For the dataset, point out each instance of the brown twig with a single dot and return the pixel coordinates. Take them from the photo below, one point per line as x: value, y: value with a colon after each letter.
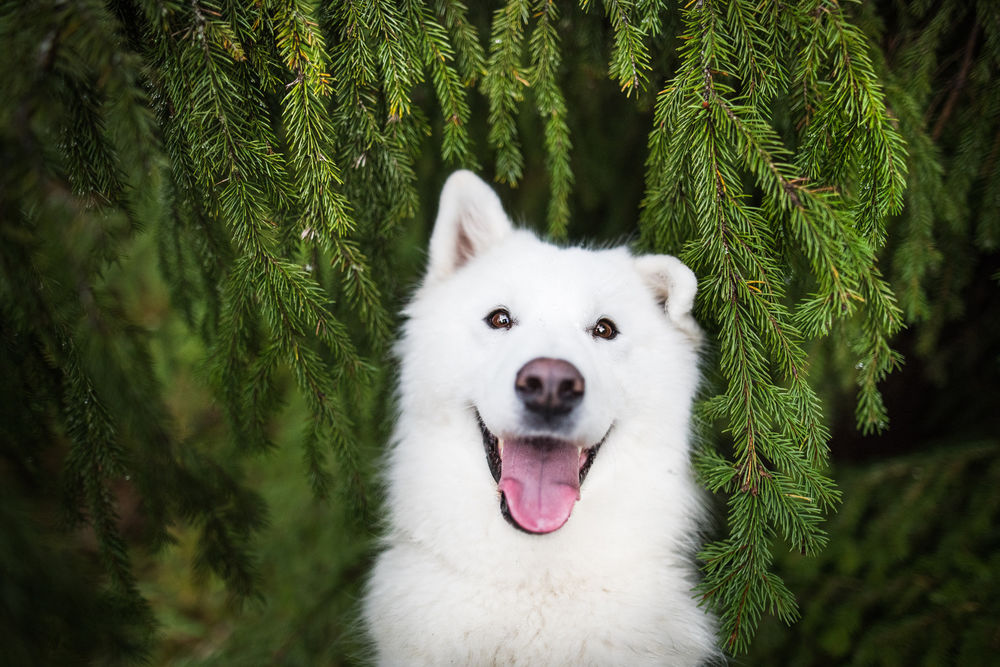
x: 963, y: 74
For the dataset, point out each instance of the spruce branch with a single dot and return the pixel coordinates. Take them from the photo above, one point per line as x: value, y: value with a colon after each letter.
x: 710, y: 138
x: 470, y: 57
x: 629, y: 57
x: 399, y: 74
x: 545, y: 61
x: 503, y: 86
x: 450, y: 90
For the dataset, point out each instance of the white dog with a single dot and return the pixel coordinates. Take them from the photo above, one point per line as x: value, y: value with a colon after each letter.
x: 541, y: 504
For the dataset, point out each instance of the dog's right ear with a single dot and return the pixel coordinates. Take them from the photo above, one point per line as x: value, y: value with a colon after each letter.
x: 470, y: 219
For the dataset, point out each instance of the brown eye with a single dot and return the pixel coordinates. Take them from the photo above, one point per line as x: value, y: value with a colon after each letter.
x: 605, y: 329
x: 500, y: 319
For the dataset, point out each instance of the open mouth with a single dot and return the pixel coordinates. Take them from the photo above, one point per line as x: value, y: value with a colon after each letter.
x: 539, y: 478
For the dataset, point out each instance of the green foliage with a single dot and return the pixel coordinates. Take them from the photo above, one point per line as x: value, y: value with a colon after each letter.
x: 910, y: 576
x: 310, y: 560
x: 756, y: 219
x: 275, y: 154
x: 941, y: 80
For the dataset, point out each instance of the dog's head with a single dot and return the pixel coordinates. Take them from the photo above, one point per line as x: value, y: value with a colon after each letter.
x: 545, y: 352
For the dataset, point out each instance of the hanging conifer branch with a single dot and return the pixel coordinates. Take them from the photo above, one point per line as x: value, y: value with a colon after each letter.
x: 469, y: 56
x: 545, y: 60
x: 274, y: 310
x: 325, y: 216
x: 324, y: 208
x: 438, y: 55
x: 629, y: 58
x: 399, y: 74
x: 503, y: 85
x: 709, y: 131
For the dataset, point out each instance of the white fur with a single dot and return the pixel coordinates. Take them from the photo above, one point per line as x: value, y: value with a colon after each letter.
x: 457, y: 584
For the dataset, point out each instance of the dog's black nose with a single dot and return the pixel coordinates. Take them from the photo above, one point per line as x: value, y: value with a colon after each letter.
x: 549, y: 387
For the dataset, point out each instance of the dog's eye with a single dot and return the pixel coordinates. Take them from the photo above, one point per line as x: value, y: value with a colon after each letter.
x: 500, y: 319
x: 605, y: 329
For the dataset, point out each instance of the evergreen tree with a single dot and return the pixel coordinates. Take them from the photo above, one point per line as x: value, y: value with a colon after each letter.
x: 278, y: 154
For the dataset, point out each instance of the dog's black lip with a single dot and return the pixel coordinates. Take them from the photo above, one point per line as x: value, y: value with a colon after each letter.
x: 492, y: 446
x: 491, y: 443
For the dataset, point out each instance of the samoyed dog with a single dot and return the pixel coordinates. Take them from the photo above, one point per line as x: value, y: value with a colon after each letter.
x: 541, y: 505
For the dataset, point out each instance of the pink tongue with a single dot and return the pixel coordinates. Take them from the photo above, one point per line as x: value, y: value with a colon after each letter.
x: 540, y: 482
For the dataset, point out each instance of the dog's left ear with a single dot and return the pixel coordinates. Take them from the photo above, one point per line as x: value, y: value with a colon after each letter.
x: 470, y: 219
x: 674, y: 286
